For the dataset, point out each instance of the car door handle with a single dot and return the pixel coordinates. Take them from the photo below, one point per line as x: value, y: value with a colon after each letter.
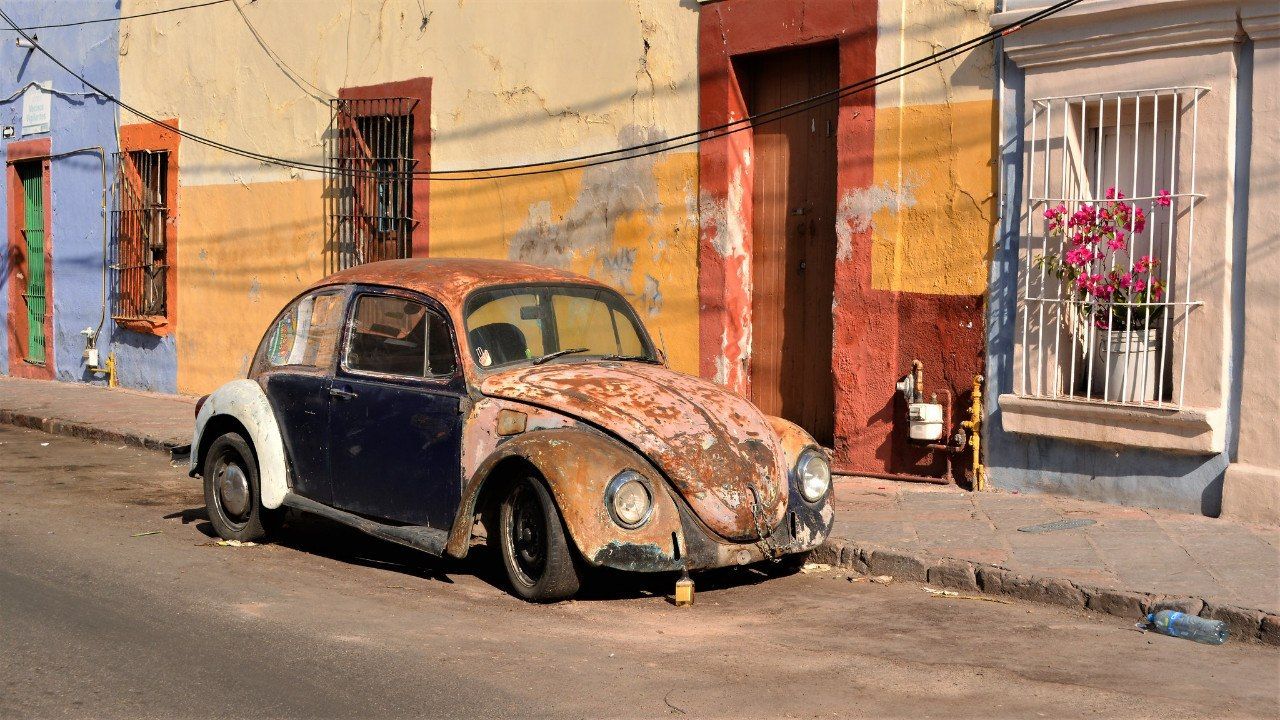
x: 342, y: 394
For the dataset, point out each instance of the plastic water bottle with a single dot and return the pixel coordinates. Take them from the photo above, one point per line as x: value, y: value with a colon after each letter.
x: 1188, y: 627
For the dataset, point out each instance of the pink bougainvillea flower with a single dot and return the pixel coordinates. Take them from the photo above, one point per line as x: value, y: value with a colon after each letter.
x: 1162, y: 198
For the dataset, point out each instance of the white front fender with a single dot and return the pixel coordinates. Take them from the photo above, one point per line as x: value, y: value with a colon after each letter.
x: 245, y: 401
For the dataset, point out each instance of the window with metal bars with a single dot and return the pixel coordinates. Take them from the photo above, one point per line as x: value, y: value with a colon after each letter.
x: 140, y: 228
x: 369, y: 149
x: 1107, y: 296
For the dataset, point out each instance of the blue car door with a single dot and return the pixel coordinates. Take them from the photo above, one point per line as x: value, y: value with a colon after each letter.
x: 294, y: 366
x: 395, y: 422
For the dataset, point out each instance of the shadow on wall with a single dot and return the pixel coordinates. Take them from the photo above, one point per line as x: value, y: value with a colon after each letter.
x: 1123, y: 476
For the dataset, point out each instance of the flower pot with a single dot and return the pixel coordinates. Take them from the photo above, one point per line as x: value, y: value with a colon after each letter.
x: 1126, y: 365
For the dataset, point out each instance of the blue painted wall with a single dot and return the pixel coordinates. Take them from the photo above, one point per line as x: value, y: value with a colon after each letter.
x: 1129, y: 476
x: 78, y: 121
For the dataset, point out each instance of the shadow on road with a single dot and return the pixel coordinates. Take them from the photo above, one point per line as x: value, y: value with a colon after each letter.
x: 335, y: 541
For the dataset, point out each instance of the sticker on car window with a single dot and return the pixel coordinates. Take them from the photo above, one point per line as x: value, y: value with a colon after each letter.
x: 483, y: 357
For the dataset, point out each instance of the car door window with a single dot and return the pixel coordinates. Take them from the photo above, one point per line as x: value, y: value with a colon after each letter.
x: 394, y: 336
x: 306, y: 334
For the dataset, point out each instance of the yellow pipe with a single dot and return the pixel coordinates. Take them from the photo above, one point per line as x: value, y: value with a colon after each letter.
x: 109, y: 369
x: 974, y: 426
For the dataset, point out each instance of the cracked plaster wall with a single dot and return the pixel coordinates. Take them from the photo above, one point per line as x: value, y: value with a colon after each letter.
x: 933, y: 195
x: 511, y: 83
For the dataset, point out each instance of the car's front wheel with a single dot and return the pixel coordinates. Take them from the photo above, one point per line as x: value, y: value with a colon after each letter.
x: 534, y: 545
x: 232, y: 494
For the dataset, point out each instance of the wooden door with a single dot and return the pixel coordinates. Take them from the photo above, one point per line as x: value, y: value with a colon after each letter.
x: 794, y: 245
x: 30, y: 264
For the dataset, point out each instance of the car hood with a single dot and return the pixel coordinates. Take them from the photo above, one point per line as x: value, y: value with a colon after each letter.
x: 716, y: 448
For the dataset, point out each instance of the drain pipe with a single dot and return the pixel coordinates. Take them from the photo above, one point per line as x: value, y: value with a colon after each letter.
x: 974, y: 426
x: 92, y: 359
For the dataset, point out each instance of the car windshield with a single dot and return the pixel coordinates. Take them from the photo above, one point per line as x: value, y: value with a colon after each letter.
x: 544, y: 322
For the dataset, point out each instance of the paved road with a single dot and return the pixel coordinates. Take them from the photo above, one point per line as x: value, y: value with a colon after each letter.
x: 95, y: 622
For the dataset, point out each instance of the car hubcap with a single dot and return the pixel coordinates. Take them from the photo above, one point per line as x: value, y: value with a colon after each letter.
x: 528, y: 536
x: 233, y: 490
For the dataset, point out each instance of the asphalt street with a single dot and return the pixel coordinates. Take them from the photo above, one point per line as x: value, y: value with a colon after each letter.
x: 114, y: 602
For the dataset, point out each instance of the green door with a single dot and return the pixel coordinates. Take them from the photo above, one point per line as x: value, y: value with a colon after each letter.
x: 33, y: 231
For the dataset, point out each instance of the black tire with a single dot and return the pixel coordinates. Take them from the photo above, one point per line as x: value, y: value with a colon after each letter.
x: 232, y: 495
x: 540, y: 565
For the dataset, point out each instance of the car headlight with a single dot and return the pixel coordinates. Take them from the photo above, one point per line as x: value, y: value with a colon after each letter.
x: 628, y: 499
x: 813, y: 475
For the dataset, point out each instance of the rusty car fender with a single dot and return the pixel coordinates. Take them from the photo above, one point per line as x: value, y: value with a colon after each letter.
x: 577, y: 464
x: 793, y: 439
x: 245, y: 401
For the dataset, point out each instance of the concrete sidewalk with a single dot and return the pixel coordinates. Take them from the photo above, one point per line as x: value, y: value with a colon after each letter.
x: 1129, y: 561
x: 1126, y: 563
x: 150, y: 420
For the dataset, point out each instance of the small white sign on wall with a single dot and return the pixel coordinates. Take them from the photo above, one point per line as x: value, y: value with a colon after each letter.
x: 36, y: 108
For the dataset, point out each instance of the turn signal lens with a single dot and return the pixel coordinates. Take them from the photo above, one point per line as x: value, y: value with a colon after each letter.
x: 814, y: 475
x: 628, y: 499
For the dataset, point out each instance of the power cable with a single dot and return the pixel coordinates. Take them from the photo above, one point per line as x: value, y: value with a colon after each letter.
x: 628, y: 153
x: 124, y: 17
x: 294, y: 76
x: 699, y: 136
x: 807, y: 103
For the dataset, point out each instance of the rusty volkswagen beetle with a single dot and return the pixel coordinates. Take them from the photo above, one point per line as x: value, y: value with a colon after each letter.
x: 434, y: 403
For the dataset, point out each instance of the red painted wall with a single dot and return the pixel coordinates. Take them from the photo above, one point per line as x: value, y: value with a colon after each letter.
x: 877, y: 332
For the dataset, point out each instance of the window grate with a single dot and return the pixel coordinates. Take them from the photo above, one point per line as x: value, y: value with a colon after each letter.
x: 139, y: 221
x: 1106, y: 277
x: 369, y: 200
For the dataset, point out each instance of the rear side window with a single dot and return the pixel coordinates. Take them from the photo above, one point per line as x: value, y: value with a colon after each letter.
x: 394, y: 336
x: 306, y: 334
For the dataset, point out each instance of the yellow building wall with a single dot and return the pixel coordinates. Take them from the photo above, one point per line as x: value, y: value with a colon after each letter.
x: 933, y: 198
x: 513, y: 83
x: 931, y: 206
x: 245, y: 251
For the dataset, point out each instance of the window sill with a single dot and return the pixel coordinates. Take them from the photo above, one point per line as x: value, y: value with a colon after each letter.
x: 1192, y: 431
x: 157, y: 325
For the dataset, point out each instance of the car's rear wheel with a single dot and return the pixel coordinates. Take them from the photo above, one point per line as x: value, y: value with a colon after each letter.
x: 534, y: 546
x: 232, y: 494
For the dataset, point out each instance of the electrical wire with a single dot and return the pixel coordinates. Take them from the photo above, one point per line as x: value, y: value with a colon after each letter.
x: 124, y: 17
x: 751, y: 121
x: 807, y: 103
x: 601, y: 158
x: 294, y: 76
x: 52, y: 90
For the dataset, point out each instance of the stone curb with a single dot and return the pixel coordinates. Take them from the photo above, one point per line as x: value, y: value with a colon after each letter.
x: 964, y: 575
x: 67, y: 428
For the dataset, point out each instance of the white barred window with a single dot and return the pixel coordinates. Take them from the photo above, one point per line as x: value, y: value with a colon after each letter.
x: 1107, y: 298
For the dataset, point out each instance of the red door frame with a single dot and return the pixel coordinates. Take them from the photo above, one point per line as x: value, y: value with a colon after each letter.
x: 419, y: 89
x: 732, y: 28
x: 18, y: 151
x: 147, y: 136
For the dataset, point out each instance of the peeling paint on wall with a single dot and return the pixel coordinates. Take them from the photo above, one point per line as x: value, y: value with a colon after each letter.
x: 608, y: 194
x: 858, y: 208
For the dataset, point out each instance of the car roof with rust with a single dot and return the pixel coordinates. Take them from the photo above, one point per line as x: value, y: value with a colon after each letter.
x: 450, y: 280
